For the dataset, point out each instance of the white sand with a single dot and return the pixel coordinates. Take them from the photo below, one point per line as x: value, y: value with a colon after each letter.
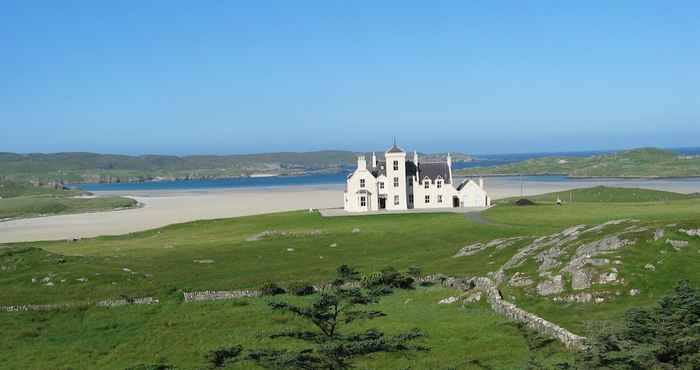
x: 165, y: 207
x: 170, y: 208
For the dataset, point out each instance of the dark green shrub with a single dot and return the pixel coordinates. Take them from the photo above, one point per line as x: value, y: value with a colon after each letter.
x: 270, y: 288
x: 301, y: 288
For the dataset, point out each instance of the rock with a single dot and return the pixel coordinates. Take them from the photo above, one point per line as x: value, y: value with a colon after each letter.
x: 473, y: 297
x: 650, y: 267
x: 634, y: 292
x: 203, y: 261
x: 599, y: 300
x: 333, y: 245
x: 581, y: 279
x: 34, y: 280
x: 607, y: 277
x: 290, y: 249
x: 617, y: 262
x: 554, y: 285
x: 50, y: 283
x: 692, y: 232
x: 82, y: 280
x: 598, y: 261
x: 677, y: 244
x: 549, y: 258
x: 449, y: 300
x: 658, y: 234
x: 577, y: 298
x: 520, y: 280
x: 126, y: 269
x: 355, y: 230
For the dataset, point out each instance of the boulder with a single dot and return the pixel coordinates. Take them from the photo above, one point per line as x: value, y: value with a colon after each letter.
x: 520, y: 280
x: 650, y: 267
x: 581, y: 279
x: 634, y: 292
x: 551, y: 286
x: 449, y: 300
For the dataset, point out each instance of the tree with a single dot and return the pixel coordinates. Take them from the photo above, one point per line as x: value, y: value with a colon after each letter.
x: 331, y: 344
x: 666, y: 336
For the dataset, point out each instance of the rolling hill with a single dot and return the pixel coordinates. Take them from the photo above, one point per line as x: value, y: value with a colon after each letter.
x: 639, y: 163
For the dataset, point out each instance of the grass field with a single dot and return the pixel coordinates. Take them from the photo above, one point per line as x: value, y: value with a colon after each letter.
x: 167, y: 261
x: 20, y: 200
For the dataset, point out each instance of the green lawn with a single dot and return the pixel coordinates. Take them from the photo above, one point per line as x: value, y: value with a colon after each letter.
x: 167, y: 261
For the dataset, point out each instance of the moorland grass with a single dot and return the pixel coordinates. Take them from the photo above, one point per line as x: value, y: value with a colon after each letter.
x: 162, y: 263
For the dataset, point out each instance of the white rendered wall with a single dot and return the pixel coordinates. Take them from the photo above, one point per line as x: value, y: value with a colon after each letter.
x: 399, y: 191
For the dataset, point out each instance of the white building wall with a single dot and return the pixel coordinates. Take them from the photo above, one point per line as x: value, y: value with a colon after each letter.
x: 353, y: 194
x: 400, y: 190
x: 447, y: 191
x: 474, y: 195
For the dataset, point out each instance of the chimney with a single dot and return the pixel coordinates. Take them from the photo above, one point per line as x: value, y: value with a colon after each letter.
x: 415, y: 157
x: 361, y: 163
x: 481, y: 182
x: 374, y: 160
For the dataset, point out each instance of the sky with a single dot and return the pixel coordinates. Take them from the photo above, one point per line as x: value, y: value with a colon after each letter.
x: 227, y: 77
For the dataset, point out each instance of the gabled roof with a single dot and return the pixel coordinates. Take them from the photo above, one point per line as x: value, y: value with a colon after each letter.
x: 433, y: 171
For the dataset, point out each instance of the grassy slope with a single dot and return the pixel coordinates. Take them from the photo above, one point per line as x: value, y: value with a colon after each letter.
x: 23, y: 200
x: 161, y: 264
x: 645, y: 162
x: 603, y: 194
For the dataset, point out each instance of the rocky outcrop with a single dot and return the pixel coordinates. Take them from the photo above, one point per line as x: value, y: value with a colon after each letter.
x: 520, y: 280
x: 478, y: 247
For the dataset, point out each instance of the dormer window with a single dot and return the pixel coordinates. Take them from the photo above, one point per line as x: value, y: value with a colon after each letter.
x: 396, y: 165
x: 362, y: 183
x: 439, y: 184
x: 426, y: 183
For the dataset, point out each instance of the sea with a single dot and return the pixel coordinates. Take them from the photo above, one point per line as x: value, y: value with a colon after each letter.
x: 677, y: 184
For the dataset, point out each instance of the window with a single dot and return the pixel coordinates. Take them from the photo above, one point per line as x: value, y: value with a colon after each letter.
x: 396, y: 165
x: 363, y: 201
x: 439, y: 184
x: 439, y: 198
x: 396, y: 182
x: 410, y: 198
x: 381, y: 185
x: 427, y: 199
x: 396, y: 200
x: 426, y: 184
x: 362, y: 183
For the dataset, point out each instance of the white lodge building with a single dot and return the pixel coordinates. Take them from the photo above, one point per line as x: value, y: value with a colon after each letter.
x: 397, y: 184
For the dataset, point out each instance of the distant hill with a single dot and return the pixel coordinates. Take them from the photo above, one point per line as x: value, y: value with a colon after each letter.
x: 109, y: 168
x: 644, y: 162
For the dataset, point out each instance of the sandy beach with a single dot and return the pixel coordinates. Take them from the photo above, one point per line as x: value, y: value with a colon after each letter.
x: 165, y: 207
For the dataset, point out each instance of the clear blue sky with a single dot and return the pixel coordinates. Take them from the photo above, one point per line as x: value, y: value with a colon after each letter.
x: 184, y: 77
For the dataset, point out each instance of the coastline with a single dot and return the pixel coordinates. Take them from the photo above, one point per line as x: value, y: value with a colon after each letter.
x: 164, y: 207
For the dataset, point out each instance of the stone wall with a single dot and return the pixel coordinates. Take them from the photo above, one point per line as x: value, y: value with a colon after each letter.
x: 512, y: 312
x: 60, y: 306
x: 211, y: 295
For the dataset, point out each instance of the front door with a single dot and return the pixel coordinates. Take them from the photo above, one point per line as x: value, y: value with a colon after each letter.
x: 455, y: 202
x: 382, y: 203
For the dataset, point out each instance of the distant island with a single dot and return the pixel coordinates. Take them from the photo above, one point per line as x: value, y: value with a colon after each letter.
x: 58, y: 169
x: 635, y: 163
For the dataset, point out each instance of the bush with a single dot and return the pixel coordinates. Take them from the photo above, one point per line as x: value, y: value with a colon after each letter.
x: 301, y: 288
x: 270, y: 288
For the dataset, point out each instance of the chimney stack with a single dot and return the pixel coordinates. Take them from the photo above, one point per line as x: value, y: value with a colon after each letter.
x: 361, y: 163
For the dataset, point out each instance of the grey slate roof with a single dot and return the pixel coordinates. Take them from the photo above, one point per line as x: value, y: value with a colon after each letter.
x: 395, y: 149
x: 380, y: 170
x: 433, y: 170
